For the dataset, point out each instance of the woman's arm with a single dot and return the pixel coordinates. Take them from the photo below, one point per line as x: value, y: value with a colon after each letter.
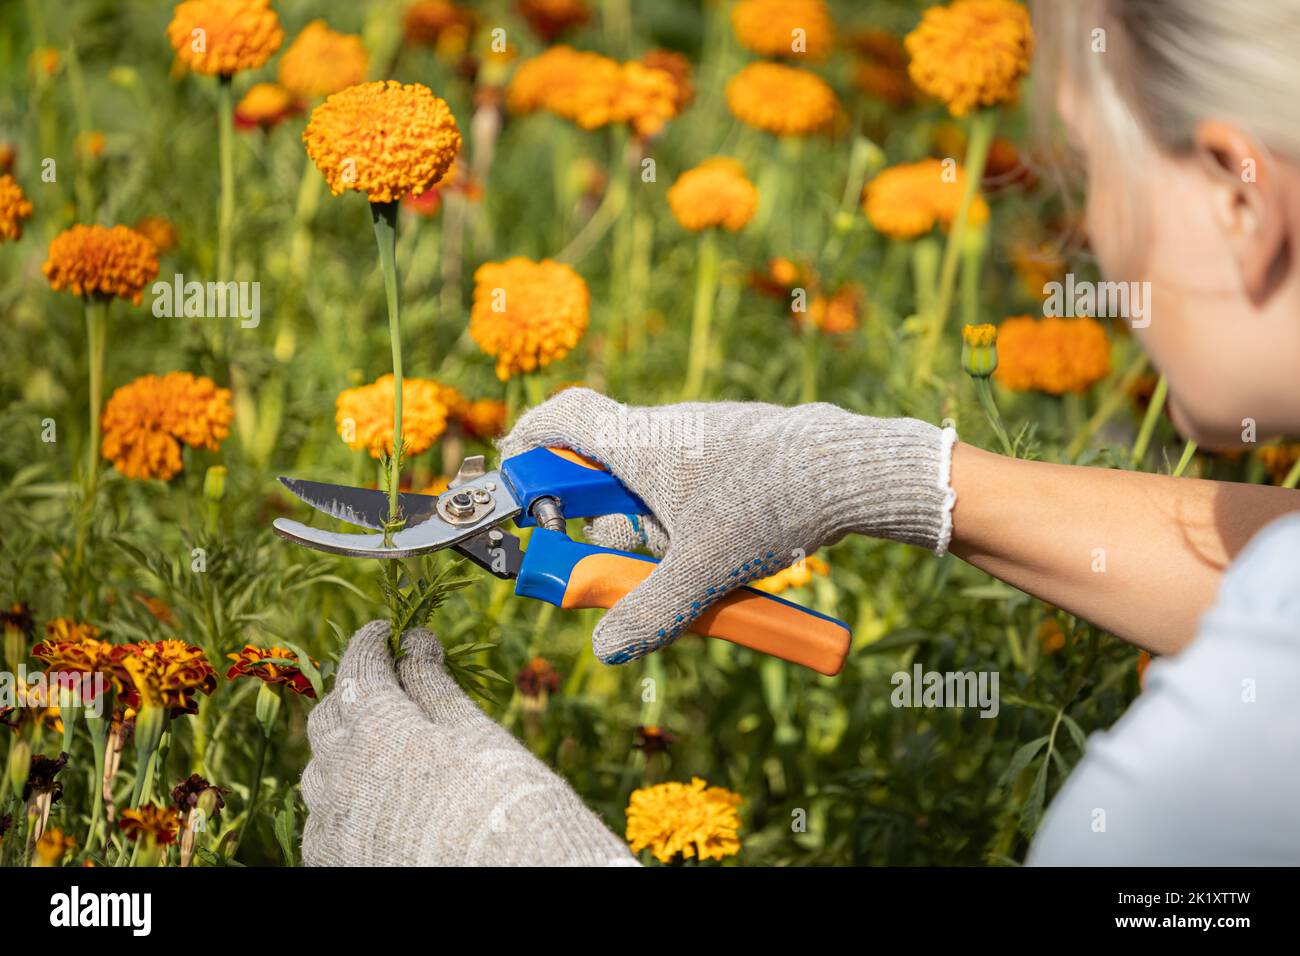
x: 1137, y: 554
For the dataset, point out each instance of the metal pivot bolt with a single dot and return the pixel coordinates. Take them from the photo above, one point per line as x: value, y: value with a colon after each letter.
x: 546, y: 512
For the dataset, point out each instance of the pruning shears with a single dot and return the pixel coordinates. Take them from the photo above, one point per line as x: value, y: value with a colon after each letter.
x: 541, y: 489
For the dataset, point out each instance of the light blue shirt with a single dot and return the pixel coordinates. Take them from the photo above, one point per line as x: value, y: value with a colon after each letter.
x: 1204, y: 768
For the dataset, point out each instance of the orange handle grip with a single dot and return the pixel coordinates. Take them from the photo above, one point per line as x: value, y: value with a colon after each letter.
x: 746, y: 617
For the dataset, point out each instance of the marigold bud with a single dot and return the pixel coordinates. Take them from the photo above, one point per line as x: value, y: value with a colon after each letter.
x: 979, y: 350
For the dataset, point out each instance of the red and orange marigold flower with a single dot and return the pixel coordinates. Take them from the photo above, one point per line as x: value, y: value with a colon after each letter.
x: 271, y: 665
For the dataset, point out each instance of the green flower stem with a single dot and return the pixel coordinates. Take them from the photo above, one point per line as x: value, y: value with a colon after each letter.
x: 1188, y: 451
x: 1293, y: 476
x: 925, y: 273
x: 98, y: 727
x: 611, y: 204
x: 226, y: 160
x: 385, y: 221
x: 984, y: 391
x: 1112, y: 403
x: 810, y: 360
x: 977, y: 152
x: 254, y: 788
x: 96, y: 337
x: 533, y: 390
x: 1144, y: 434
x: 706, y: 289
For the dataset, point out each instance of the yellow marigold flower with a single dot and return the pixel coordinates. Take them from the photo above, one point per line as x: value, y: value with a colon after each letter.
x: 1052, y: 355
x: 715, y: 193
x: 527, y: 314
x: 979, y: 353
x: 780, y: 99
x: 768, y: 27
x: 159, y: 824
x: 145, y: 421
x: 383, y: 139
x: 432, y: 22
x: 14, y: 208
x: 222, y: 37
x: 907, y: 201
x: 695, y: 820
x: 159, y: 230
x: 971, y: 53
x: 797, y: 575
x: 550, y: 18
x: 52, y: 847
x: 364, y: 415
x: 677, y: 66
x: 97, y: 260
x: 322, y: 61
x: 66, y: 629
x: 265, y: 105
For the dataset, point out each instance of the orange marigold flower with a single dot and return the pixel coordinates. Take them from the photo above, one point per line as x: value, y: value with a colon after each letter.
x: 907, y: 201
x: 715, y: 193
x: 157, y: 608
x: 159, y: 230
x: 677, y: 66
x: 889, y: 84
x: 780, y: 99
x: 159, y: 824
x: 98, y: 260
x: 89, y: 143
x: 321, y: 61
x: 165, y: 673
x: 364, y: 415
x: 433, y: 22
x: 146, y: 420
x: 1037, y: 265
x: 835, y: 314
x: 550, y: 18
x: 768, y: 27
x: 222, y: 37
x: 383, y: 139
x: 8, y: 155
x: 695, y: 820
x: 44, y: 60
x: 1279, y: 459
x: 1052, y: 355
x: 971, y: 53
x: 537, y: 678
x: 796, y: 575
x: 483, y: 418
x: 271, y: 665
x: 265, y: 105
x: 1050, y: 636
x: 879, y: 46
x: 527, y: 314
x: 14, y: 208
x: 593, y: 90
x: 52, y: 847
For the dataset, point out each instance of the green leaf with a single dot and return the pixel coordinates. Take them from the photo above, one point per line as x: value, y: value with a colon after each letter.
x: 1021, y: 759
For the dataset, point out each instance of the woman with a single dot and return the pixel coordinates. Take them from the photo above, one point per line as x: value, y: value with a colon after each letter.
x: 1186, y: 113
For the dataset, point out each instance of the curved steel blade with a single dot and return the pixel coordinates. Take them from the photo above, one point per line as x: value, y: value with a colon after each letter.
x: 367, y: 507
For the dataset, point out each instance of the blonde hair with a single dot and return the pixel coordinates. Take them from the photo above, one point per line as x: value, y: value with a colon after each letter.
x: 1146, y: 72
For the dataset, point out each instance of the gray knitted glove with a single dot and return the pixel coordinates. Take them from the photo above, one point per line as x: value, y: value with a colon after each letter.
x: 421, y: 777
x: 739, y: 491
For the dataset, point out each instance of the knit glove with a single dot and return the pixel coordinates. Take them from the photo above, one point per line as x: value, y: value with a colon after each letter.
x: 738, y: 491
x: 415, y: 774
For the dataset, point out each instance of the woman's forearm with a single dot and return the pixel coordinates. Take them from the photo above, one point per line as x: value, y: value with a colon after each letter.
x: 1137, y: 554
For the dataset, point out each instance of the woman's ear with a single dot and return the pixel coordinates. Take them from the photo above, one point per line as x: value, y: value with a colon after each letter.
x: 1251, y: 204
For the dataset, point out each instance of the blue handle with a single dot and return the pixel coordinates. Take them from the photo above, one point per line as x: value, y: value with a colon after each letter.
x: 583, y: 492
x: 549, y: 562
